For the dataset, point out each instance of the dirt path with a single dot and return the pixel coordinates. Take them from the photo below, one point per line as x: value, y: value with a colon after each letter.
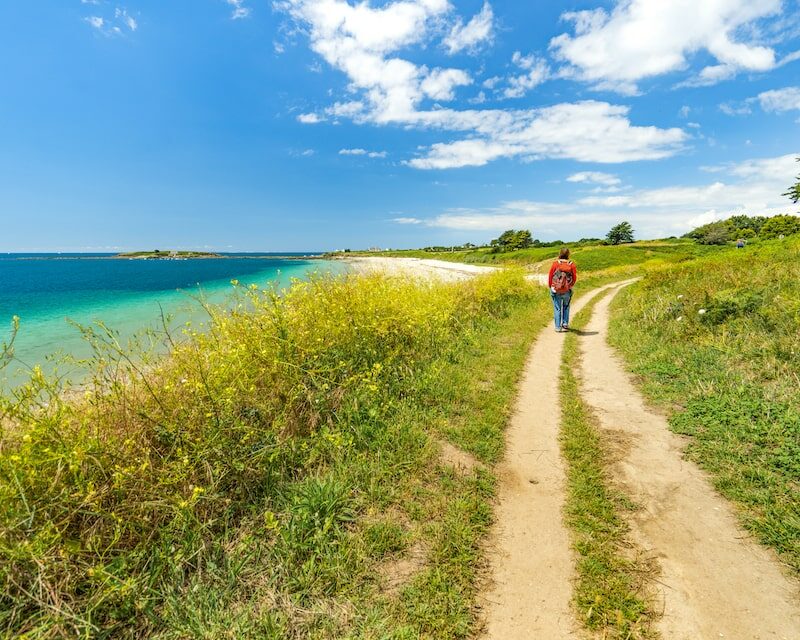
x: 716, y: 582
x: 530, y: 555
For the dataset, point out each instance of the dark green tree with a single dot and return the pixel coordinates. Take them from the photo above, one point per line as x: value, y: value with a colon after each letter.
x: 777, y: 226
x: 621, y: 233
x: 512, y: 240
x: 794, y: 191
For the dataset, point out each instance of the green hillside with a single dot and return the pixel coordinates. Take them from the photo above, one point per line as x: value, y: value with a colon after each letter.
x: 716, y: 343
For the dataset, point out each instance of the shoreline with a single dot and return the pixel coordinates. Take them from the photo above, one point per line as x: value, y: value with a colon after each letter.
x: 427, y: 268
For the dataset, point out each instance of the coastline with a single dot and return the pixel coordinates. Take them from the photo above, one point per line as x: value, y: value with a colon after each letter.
x: 427, y: 268
x: 417, y: 267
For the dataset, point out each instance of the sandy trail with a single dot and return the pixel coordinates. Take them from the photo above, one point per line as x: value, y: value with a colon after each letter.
x: 716, y: 581
x: 530, y: 549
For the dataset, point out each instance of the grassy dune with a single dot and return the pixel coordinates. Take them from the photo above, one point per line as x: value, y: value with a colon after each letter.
x: 716, y: 343
x: 278, y: 476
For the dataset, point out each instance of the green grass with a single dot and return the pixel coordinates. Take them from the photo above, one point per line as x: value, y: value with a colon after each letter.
x: 611, y: 588
x: 264, y: 480
x: 715, y: 343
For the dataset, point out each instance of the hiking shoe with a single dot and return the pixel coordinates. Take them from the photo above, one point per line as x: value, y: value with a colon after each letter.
x: 565, y: 327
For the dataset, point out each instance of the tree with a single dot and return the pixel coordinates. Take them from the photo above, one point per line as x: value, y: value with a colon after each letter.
x: 715, y: 234
x: 512, y: 240
x: 777, y: 226
x: 620, y: 234
x: 794, y: 191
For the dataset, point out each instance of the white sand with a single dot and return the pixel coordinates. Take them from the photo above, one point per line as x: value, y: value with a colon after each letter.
x: 424, y: 268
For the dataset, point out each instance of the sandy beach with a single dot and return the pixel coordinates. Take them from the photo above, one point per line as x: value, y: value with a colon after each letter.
x: 431, y: 269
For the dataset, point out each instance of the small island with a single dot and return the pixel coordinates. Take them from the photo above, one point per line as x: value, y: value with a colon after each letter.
x: 157, y: 254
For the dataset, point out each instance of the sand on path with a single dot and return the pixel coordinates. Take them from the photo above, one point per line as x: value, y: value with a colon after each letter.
x: 529, y: 549
x: 716, y: 581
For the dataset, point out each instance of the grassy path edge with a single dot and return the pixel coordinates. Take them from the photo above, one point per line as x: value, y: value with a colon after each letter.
x: 611, y: 588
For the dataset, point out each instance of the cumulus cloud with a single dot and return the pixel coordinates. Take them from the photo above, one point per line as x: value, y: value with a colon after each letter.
x: 477, y: 31
x: 310, y: 118
x: 641, y: 39
x: 787, y: 99
x: 588, y: 131
x: 775, y: 100
x: 536, y: 71
x: 363, y: 42
x: 753, y: 186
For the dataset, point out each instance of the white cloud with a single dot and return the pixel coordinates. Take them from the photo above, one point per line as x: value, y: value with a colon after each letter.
x: 96, y: 21
x: 115, y: 24
x: 752, y: 186
x: 362, y: 152
x: 645, y: 38
x: 537, y: 71
x: 588, y: 131
x: 239, y: 9
x: 123, y: 16
x: 477, y: 31
x: 595, y: 177
x: 362, y: 41
x: 735, y: 108
x: 407, y: 220
x: 775, y: 100
x: 440, y: 83
x: 309, y: 118
x: 787, y: 99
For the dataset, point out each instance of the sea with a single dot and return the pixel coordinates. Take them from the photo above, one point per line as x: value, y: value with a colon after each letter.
x: 54, y: 294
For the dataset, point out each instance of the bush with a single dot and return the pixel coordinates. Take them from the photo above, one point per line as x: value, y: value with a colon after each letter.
x: 114, y: 494
x: 777, y: 226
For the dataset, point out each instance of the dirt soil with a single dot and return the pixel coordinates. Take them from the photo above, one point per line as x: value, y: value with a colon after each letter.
x: 716, y: 581
x: 530, y: 556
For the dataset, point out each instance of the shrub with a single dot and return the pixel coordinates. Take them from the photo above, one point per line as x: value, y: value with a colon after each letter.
x: 113, y: 494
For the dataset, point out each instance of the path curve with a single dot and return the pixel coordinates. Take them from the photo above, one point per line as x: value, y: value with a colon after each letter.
x: 716, y: 581
x: 531, y: 562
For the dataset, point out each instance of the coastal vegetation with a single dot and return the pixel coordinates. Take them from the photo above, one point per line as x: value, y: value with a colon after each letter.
x: 283, y: 474
x: 157, y: 254
x: 715, y: 343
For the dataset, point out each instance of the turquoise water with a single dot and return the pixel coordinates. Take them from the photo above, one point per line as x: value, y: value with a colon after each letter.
x: 47, y: 292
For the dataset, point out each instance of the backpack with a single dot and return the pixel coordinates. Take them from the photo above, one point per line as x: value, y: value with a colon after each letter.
x: 562, y: 280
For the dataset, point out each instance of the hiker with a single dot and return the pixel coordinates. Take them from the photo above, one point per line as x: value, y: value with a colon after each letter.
x: 740, y: 243
x: 562, y: 278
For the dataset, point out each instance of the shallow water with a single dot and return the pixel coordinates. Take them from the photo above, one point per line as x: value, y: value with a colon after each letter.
x: 49, y: 293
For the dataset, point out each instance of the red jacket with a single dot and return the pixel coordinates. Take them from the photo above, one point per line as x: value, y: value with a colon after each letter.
x: 566, y: 265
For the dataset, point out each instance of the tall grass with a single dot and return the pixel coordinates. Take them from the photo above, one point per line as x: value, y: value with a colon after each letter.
x: 716, y: 342
x: 240, y: 487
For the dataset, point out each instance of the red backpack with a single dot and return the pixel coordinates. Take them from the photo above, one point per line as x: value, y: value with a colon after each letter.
x: 563, y: 279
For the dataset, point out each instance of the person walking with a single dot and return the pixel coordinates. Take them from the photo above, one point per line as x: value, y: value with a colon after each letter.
x: 563, y: 276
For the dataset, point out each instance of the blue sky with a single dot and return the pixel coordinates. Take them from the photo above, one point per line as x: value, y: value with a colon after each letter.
x: 247, y: 125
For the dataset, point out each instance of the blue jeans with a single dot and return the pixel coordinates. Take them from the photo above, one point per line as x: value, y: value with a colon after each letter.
x: 561, y: 308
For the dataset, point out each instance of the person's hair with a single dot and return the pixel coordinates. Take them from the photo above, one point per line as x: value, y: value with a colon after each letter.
x: 563, y: 254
